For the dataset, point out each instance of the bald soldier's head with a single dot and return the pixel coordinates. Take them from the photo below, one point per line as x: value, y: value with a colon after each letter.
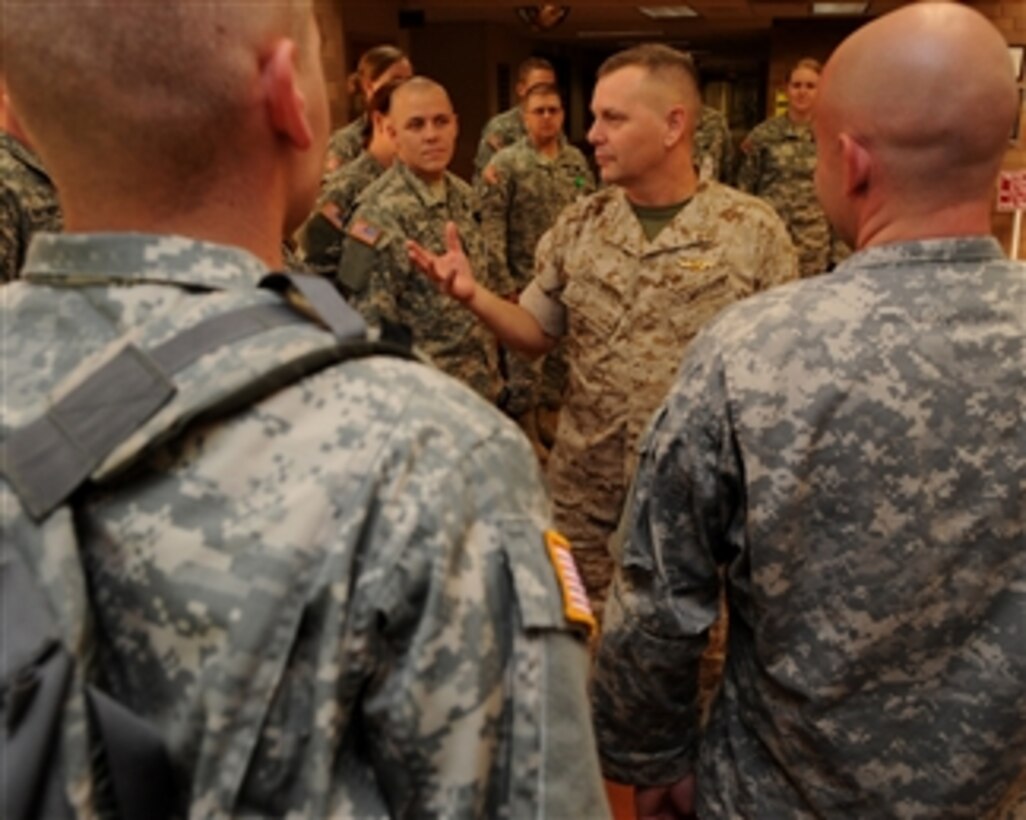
x: 169, y: 104
x: 912, y: 121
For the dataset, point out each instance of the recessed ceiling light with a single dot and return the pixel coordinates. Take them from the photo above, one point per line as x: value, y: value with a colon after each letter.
x: 667, y: 12
x: 620, y: 35
x: 839, y: 8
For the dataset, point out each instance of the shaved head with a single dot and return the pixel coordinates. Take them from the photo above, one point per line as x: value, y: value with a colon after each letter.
x: 424, y: 127
x: 926, y: 93
x: 416, y: 86
x: 159, y: 84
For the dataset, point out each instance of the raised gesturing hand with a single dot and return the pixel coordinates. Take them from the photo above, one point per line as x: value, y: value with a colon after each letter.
x: 450, y: 270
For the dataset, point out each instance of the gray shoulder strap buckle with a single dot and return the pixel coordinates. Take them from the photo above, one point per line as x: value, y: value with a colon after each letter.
x: 323, y: 300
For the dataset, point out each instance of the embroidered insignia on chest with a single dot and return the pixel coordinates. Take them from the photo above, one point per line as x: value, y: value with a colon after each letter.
x: 575, y: 599
x: 365, y: 232
x: 696, y: 264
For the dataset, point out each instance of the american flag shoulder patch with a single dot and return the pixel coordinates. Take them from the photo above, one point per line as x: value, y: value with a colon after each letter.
x: 576, y: 607
x: 333, y: 213
x: 364, y: 231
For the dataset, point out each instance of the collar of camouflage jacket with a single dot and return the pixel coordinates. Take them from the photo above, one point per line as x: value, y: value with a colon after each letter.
x: 21, y: 152
x: 80, y: 259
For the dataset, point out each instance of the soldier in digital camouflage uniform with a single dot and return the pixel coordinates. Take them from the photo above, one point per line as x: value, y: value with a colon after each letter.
x: 322, y: 236
x: 414, y: 200
x: 850, y: 451
x: 522, y: 192
x: 714, y: 150
x: 28, y: 200
x: 508, y: 126
x: 377, y: 66
x: 628, y: 286
x: 337, y: 602
x: 778, y: 160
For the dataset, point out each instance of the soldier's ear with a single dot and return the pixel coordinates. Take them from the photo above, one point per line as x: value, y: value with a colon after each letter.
x: 283, y: 97
x: 856, y: 165
x: 676, y: 125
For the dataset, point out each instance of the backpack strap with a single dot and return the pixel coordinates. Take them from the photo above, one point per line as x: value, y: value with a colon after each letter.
x: 47, y: 459
x: 320, y: 297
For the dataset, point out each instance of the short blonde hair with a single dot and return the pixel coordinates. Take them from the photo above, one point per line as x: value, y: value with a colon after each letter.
x: 805, y: 62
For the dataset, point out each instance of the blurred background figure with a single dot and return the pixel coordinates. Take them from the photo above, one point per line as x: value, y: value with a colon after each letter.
x: 376, y: 67
x: 714, y: 148
x: 522, y: 191
x: 507, y: 127
x: 778, y: 161
x: 414, y: 200
x: 321, y: 237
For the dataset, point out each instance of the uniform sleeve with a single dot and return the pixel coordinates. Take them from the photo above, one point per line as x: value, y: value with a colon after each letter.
x: 726, y: 153
x: 543, y: 297
x: 11, y: 250
x: 749, y: 169
x: 365, y: 272
x: 321, y: 236
x: 487, y: 146
x: 479, y: 707
x: 664, y: 597
x: 494, y: 195
x: 777, y: 258
x: 344, y: 146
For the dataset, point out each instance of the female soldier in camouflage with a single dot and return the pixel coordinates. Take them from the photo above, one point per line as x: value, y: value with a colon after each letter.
x: 778, y: 163
x: 376, y: 67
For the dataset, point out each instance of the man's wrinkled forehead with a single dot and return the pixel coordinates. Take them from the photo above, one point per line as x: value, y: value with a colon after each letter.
x: 423, y: 102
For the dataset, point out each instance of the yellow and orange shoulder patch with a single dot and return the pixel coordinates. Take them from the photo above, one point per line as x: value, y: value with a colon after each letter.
x: 576, y: 607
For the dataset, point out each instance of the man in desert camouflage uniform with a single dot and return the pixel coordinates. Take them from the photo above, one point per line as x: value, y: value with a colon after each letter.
x: 628, y: 276
x: 850, y: 451
x: 714, y: 149
x: 337, y: 602
x: 28, y: 200
x: 778, y: 163
x: 508, y: 126
x: 414, y: 200
x: 522, y: 192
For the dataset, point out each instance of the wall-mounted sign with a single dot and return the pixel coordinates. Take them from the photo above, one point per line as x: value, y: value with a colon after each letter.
x: 1011, y: 191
